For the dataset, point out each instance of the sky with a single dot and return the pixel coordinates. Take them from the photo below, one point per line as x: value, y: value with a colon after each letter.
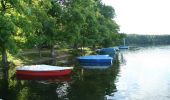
x: 142, y: 16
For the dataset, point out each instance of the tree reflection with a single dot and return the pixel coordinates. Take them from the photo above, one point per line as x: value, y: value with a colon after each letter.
x: 4, y: 82
x: 95, y: 84
x: 4, y: 86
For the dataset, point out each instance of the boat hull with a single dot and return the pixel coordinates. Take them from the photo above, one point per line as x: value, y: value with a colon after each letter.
x: 123, y: 47
x: 95, y: 60
x: 43, y: 70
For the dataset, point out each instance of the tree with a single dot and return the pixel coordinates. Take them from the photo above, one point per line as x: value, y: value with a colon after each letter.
x: 13, y: 24
x: 90, y: 23
x: 108, y: 28
x: 49, y: 18
x: 7, y: 31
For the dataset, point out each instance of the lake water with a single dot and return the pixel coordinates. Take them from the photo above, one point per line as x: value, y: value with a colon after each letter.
x: 144, y: 75
x: 137, y: 74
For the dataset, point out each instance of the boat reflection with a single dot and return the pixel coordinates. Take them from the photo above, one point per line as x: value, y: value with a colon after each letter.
x: 122, y: 59
x: 95, y: 67
x: 53, y: 78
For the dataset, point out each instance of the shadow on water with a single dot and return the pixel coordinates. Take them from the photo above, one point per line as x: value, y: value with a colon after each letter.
x: 92, y: 84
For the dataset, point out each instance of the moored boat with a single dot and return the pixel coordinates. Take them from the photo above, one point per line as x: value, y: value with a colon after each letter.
x: 123, y: 47
x: 43, y: 70
x: 111, y: 51
x: 95, y: 60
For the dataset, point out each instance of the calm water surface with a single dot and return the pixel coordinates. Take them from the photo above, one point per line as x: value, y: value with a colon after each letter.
x: 144, y: 75
x: 138, y: 74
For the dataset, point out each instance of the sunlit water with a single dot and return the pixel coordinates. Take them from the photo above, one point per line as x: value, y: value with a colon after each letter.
x: 144, y: 75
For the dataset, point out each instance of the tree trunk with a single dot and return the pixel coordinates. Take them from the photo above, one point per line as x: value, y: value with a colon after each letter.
x: 5, y: 63
x: 52, y: 51
x: 76, y: 50
x: 94, y: 47
x: 82, y: 52
x: 4, y: 57
x: 39, y: 50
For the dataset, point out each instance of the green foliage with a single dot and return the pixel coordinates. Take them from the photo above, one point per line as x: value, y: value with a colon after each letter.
x: 74, y: 23
x: 107, y: 11
x: 7, y: 31
x: 90, y: 23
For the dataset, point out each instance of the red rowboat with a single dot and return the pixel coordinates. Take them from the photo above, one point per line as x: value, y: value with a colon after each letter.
x: 43, y: 70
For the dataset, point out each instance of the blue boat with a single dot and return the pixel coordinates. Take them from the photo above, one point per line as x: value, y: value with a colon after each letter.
x: 111, y: 51
x: 95, y: 60
x: 124, y: 46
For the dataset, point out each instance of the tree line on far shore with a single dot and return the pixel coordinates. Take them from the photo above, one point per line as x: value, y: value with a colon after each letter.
x: 134, y: 39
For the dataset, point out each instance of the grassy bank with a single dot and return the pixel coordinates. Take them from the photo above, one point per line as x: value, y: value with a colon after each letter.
x: 31, y: 56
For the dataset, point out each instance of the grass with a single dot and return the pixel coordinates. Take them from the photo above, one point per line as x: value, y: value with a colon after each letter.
x: 31, y: 56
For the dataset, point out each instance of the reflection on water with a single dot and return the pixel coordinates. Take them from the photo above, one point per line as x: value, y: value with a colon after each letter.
x: 4, y: 92
x: 122, y: 59
x: 62, y: 91
x: 95, y: 67
x: 94, y: 85
x: 146, y: 75
x: 44, y: 78
x: 140, y: 74
x: 83, y: 84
